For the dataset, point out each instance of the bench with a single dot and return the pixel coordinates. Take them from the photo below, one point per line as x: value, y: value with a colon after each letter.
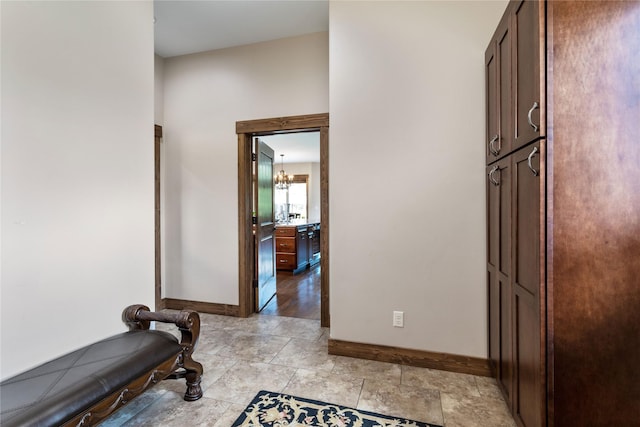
x: 84, y: 387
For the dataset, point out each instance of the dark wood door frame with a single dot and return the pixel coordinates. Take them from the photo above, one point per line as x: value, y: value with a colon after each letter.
x: 245, y: 131
x: 157, y: 209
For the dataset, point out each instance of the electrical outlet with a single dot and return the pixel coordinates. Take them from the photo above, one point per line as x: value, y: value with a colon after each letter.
x: 398, y: 319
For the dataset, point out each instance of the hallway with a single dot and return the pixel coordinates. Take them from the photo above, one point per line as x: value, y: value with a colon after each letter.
x: 296, y: 295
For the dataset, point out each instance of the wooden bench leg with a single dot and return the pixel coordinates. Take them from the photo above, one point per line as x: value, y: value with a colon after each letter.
x: 193, y: 376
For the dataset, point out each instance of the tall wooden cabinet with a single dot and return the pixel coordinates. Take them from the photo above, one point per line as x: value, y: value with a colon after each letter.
x: 515, y: 140
x: 563, y: 211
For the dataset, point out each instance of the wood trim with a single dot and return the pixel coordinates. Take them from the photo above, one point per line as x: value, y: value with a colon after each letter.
x: 157, y: 178
x: 300, y: 179
x: 201, y: 307
x: 547, y: 235
x: 325, y: 319
x: 246, y: 130
x: 410, y: 357
x: 246, y: 267
x: 278, y: 124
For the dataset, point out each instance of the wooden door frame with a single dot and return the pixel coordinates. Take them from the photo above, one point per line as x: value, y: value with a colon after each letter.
x: 245, y: 131
x: 157, y: 215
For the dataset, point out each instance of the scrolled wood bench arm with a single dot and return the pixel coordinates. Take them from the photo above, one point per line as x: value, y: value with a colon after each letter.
x: 139, y: 317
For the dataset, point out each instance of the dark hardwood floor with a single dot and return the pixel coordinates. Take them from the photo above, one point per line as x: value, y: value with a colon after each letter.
x: 296, y: 295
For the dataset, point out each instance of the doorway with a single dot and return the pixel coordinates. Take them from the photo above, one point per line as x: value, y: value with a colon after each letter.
x: 246, y: 131
x: 296, y: 211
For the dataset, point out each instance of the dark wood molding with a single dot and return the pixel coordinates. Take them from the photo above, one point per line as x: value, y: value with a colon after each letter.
x: 201, y: 307
x: 410, y: 357
x: 157, y: 178
x: 278, y: 124
x: 246, y: 130
x: 325, y: 320
x: 246, y: 266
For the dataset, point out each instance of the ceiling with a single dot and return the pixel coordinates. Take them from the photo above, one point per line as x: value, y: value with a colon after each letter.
x: 187, y: 26
x: 303, y: 147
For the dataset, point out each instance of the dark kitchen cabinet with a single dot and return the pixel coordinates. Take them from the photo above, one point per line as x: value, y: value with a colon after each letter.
x: 563, y: 196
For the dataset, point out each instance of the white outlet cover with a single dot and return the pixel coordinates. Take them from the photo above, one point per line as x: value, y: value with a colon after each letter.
x: 398, y: 319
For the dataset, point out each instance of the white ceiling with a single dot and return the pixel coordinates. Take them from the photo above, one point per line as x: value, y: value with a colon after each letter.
x: 188, y: 26
x: 301, y: 147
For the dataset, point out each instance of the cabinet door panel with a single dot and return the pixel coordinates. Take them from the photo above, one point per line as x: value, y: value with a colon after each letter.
x: 505, y: 140
x: 527, y: 396
x: 493, y: 112
x: 499, y: 216
x: 526, y: 209
x: 526, y: 71
x: 504, y: 247
x: 505, y: 362
x: 498, y: 268
x: 302, y: 243
x: 498, y: 87
x: 527, y: 332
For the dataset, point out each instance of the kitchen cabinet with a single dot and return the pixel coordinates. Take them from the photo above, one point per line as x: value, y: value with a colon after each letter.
x: 513, y: 86
x: 314, y: 244
x: 563, y: 196
x: 302, y: 247
x: 513, y: 278
x: 297, y: 246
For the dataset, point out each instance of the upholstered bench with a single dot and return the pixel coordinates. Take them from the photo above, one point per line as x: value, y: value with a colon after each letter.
x: 82, y: 388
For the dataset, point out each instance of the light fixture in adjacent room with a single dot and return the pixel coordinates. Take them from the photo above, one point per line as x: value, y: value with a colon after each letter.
x: 282, y: 180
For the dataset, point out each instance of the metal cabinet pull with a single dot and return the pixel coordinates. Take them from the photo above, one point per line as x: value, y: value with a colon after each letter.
x: 535, y: 106
x: 491, y: 172
x: 493, y: 150
x: 535, y: 150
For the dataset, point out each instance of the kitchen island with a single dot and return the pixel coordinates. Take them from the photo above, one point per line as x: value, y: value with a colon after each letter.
x: 297, y: 245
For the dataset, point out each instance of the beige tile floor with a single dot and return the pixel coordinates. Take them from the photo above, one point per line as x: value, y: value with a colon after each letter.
x: 281, y: 354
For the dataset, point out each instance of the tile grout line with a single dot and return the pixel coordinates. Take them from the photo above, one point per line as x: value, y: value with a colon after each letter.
x: 360, y: 393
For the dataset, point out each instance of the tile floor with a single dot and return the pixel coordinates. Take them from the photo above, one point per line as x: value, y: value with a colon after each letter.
x: 283, y: 354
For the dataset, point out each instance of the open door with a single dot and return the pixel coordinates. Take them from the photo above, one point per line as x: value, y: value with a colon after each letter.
x: 265, y: 226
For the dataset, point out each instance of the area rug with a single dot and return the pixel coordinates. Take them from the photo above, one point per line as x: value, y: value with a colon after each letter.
x: 268, y: 409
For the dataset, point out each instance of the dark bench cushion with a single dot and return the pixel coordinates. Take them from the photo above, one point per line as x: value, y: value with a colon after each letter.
x: 54, y: 392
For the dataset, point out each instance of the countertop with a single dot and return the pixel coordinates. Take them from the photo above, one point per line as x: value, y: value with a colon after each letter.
x: 296, y: 223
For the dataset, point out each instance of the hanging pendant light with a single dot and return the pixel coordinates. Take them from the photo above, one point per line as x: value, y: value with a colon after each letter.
x: 282, y: 180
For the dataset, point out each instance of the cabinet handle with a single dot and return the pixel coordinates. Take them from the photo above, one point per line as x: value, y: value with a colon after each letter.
x: 491, y: 172
x: 534, y: 107
x: 535, y: 150
x: 493, y: 150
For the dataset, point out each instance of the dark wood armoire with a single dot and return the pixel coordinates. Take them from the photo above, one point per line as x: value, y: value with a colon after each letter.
x: 563, y: 211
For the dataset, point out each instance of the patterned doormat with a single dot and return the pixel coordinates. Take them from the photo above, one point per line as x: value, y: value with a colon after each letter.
x: 268, y: 409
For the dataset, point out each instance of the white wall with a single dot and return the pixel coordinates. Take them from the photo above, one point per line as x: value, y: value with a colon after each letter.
x: 204, y: 95
x: 407, y: 118
x: 77, y: 174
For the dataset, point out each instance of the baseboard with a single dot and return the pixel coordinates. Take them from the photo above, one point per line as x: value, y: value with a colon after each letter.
x: 404, y: 356
x: 200, y: 307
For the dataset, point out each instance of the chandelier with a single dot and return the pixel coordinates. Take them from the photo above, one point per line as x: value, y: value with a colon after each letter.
x: 282, y: 180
